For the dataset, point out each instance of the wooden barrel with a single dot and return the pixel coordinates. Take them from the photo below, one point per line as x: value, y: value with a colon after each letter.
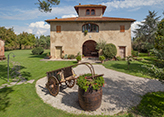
x: 90, y: 100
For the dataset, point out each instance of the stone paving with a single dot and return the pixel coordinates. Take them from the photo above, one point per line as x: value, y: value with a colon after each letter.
x: 16, y: 83
x: 121, y: 92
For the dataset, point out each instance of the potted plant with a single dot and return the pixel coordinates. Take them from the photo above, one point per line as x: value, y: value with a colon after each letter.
x: 90, y: 92
x: 48, y: 56
x: 102, y: 58
x: 85, y: 32
x: 78, y: 58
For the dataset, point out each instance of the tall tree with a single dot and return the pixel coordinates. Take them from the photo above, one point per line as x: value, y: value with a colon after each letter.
x: 46, y: 5
x: 25, y: 39
x: 43, y: 41
x: 10, y: 38
x: 146, y: 31
x: 159, y: 41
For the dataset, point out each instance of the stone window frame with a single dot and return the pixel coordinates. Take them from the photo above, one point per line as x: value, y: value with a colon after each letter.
x: 90, y: 29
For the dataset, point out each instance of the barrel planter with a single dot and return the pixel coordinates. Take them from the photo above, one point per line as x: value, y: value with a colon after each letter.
x: 90, y: 100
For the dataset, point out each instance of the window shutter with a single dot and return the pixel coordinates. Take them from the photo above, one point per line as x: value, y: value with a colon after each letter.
x: 58, y: 29
x: 122, y: 28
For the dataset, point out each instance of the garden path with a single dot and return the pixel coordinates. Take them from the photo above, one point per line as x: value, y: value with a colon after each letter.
x: 121, y: 92
x: 16, y: 83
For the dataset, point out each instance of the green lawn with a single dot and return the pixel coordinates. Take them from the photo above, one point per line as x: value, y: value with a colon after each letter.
x: 135, y: 68
x: 31, y: 66
x: 22, y: 100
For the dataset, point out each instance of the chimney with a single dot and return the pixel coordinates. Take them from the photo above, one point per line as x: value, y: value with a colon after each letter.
x: 56, y: 18
x: 79, y: 3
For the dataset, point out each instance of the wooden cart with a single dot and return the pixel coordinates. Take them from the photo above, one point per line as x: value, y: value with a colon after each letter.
x: 67, y: 75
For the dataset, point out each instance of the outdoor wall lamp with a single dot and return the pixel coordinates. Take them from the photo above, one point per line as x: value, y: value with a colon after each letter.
x: 8, y: 64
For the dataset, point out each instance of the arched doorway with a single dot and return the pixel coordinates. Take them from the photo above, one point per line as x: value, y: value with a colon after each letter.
x: 89, y: 49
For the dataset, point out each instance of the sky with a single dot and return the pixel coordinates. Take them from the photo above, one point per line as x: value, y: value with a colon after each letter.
x: 24, y: 15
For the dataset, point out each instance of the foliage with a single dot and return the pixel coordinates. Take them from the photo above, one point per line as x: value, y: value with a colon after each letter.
x: 159, y: 63
x: 43, y: 41
x: 94, y: 84
x: 10, y: 38
x: 46, y: 5
x: 158, y: 53
x: 145, y: 34
x: 78, y: 58
x: 25, y: 39
x: 101, y: 44
x: 71, y: 56
x: 37, y: 51
x: 101, y: 58
x: 129, y: 59
x: 159, y: 39
x: 119, y: 58
x: 134, y: 53
x: 110, y: 51
x: 151, y: 105
x: 85, y: 32
x: 155, y: 71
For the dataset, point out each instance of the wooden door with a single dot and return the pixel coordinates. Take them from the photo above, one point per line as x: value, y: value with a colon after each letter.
x: 58, y: 52
x: 89, y: 49
x: 122, y: 52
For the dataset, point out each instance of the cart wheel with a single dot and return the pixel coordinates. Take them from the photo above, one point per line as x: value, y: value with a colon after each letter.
x: 53, y: 86
x: 70, y: 83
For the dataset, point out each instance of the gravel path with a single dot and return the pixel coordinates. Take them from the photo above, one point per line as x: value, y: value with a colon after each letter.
x: 121, y: 91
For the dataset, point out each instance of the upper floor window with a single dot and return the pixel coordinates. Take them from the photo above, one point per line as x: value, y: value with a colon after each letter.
x: 90, y: 27
x: 92, y: 12
x: 122, y: 28
x: 87, y: 12
x: 58, y: 29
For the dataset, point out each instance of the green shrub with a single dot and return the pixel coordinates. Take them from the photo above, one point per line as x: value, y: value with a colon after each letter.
x: 134, y: 53
x: 159, y: 63
x: 155, y: 71
x: 119, y: 58
x: 151, y: 105
x: 78, y: 58
x: 110, y: 50
x: 101, y: 58
x: 71, y: 56
x: 37, y: 51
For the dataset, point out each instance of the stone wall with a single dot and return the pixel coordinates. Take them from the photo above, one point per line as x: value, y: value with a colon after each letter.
x: 71, y: 38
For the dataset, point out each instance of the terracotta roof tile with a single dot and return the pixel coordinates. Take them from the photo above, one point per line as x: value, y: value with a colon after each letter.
x: 90, y: 6
x: 98, y: 19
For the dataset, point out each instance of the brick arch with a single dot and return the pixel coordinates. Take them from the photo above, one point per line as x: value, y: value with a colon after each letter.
x: 89, y: 49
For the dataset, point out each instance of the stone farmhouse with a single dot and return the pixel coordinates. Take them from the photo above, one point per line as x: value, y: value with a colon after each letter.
x: 2, y: 44
x: 81, y: 34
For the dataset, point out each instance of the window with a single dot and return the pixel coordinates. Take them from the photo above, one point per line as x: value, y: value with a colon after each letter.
x: 122, y: 28
x: 87, y: 12
x: 90, y: 28
x: 58, y: 29
x: 92, y: 12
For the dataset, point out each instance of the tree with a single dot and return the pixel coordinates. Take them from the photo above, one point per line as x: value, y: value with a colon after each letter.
x: 46, y: 5
x: 25, y: 39
x: 159, y: 41
x: 145, y: 34
x: 10, y: 38
x: 43, y: 41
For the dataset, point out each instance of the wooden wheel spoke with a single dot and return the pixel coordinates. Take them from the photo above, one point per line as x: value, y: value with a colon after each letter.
x: 53, y: 86
x: 70, y: 83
